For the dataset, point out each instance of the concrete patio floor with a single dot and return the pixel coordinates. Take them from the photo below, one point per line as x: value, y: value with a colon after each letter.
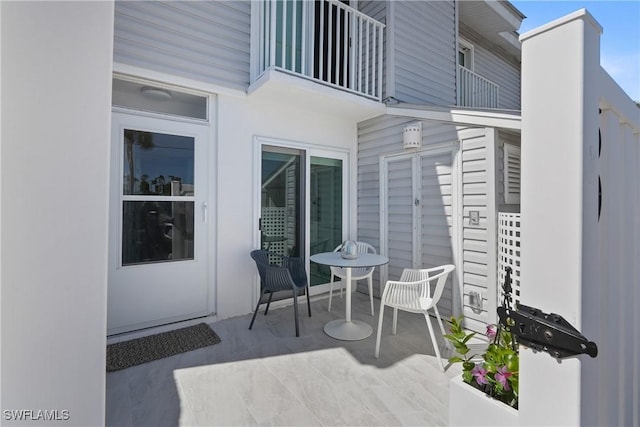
x: 268, y: 377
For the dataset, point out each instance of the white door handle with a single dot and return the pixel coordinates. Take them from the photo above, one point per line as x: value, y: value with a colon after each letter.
x: 205, y: 211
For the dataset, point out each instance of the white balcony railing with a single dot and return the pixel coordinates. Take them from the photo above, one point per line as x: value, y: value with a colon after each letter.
x: 476, y: 91
x: 325, y: 41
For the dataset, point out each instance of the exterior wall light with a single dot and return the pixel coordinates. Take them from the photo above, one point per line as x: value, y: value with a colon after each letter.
x: 412, y: 136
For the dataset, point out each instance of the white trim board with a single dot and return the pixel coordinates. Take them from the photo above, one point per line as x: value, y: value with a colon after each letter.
x: 480, y: 118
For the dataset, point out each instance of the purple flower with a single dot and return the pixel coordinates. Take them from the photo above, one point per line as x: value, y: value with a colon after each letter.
x: 480, y: 374
x: 491, y: 331
x: 502, y: 377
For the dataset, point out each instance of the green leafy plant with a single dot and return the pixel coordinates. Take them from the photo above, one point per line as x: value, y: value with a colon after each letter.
x: 459, y: 338
x: 497, y: 373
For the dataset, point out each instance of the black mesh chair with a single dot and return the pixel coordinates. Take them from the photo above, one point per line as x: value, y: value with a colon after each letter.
x: 280, y: 273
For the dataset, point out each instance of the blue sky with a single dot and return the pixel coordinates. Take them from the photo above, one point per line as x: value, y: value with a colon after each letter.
x: 620, y: 41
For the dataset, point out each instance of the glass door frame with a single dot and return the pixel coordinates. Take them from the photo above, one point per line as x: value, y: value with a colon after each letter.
x: 310, y: 150
x: 204, y: 219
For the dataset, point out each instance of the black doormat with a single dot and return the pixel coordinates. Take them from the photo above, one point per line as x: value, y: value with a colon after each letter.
x: 146, y: 349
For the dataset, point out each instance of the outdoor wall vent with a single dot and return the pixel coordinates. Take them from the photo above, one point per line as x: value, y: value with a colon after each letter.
x: 412, y: 136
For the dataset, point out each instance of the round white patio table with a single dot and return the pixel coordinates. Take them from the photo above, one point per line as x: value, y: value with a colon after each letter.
x: 347, y: 329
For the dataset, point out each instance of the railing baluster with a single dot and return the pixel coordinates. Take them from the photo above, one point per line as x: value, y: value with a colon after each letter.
x: 330, y: 42
x: 266, y: 45
x: 374, y: 53
x: 283, y: 35
x: 352, y: 51
x: 345, y: 48
x: 272, y: 36
x: 338, y: 51
x: 303, y: 48
x: 380, y: 62
x: 262, y: 38
x: 322, y: 37
x: 294, y: 36
x: 367, y: 63
x: 360, y: 71
x: 470, y: 90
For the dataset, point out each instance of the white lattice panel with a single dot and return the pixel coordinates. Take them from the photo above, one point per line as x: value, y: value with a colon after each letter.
x: 273, y: 229
x: 509, y: 253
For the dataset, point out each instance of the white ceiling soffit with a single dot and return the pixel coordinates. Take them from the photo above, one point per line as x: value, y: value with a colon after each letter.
x: 282, y: 87
x: 480, y: 118
x: 498, y: 21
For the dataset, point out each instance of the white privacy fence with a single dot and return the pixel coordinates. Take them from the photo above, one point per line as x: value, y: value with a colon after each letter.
x: 325, y: 41
x: 612, y: 297
x: 580, y: 205
x: 476, y: 91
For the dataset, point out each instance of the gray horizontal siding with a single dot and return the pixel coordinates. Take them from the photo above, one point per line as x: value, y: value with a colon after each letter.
x: 375, y: 9
x: 436, y: 207
x: 400, y: 226
x: 492, y: 63
x: 204, y: 41
x: 474, y: 242
x: 383, y: 135
x: 424, y: 49
x: 376, y: 137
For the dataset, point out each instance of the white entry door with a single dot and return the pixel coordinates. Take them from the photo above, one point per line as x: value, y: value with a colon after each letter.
x: 419, y: 226
x: 158, y: 222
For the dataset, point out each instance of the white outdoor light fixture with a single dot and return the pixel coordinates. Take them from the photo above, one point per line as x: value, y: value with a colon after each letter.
x: 412, y: 135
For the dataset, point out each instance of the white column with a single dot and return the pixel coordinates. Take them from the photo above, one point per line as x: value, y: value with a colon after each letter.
x: 56, y: 109
x: 560, y: 67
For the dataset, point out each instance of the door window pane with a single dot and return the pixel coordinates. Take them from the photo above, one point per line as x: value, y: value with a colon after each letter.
x: 325, y: 212
x: 158, y: 164
x: 155, y: 231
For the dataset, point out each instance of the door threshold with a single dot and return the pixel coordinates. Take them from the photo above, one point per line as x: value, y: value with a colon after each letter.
x: 131, y: 335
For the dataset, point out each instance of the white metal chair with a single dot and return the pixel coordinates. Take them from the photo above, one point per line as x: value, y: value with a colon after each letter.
x: 356, y: 273
x: 412, y: 293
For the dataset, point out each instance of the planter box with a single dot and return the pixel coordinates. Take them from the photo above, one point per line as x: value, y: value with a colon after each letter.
x: 471, y: 407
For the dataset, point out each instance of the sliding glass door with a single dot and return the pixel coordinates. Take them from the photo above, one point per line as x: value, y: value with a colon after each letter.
x: 302, y: 203
x: 326, y: 212
x: 281, y: 210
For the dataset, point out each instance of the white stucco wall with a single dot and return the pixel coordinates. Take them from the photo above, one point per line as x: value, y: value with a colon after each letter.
x: 239, y: 120
x: 56, y: 94
x: 285, y: 108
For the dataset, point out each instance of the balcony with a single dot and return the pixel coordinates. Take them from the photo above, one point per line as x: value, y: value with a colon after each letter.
x: 475, y: 91
x: 326, y: 42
